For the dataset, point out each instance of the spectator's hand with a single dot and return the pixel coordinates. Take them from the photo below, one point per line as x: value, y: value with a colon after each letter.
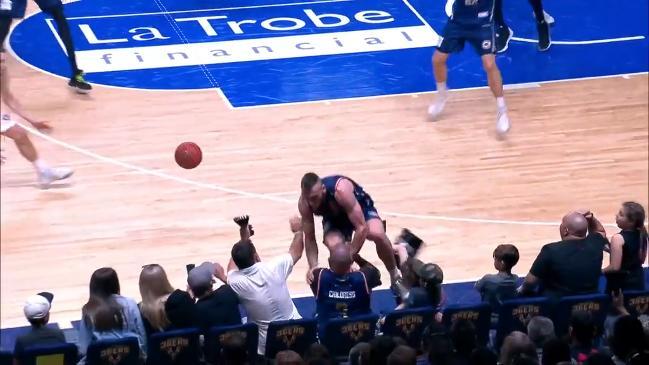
x: 242, y: 220
x: 586, y: 213
x: 295, y: 223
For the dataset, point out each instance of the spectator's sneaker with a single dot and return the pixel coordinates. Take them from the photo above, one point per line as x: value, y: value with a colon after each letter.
x: 413, y: 242
x: 79, y: 84
x: 503, y: 36
x: 544, y: 35
x: 47, y: 177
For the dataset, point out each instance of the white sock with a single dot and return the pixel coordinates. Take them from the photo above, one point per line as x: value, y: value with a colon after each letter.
x: 501, y: 103
x: 40, y: 166
x: 441, y: 88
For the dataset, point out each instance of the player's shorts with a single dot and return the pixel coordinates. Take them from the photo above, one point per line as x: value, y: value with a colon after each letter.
x: 13, y: 8
x: 47, y: 5
x: 481, y: 37
x: 344, y: 225
x: 6, y: 123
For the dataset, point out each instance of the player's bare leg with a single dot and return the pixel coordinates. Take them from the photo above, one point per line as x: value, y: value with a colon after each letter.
x: 496, y: 85
x: 383, y: 247
x: 440, y: 71
x: 46, y: 174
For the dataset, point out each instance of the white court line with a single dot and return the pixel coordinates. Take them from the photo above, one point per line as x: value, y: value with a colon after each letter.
x: 269, y: 197
x: 576, y: 43
x: 212, y: 9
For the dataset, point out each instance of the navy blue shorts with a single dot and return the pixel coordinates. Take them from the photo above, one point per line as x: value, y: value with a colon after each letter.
x: 341, y: 223
x: 481, y: 37
x: 13, y: 9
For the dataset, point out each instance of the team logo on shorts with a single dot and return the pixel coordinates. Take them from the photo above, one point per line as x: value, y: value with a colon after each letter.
x: 486, y: 44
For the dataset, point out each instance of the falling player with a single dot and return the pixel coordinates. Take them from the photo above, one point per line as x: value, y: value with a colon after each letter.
x: 8, y: 128
x: 471, y: 21
x: 345, y: 208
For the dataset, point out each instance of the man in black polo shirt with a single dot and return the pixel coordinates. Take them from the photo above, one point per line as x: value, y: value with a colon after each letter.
x: 37, y: 312
x: 573, y: 265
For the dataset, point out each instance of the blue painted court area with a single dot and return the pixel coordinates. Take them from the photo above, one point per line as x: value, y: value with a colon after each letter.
x: 266, y: 52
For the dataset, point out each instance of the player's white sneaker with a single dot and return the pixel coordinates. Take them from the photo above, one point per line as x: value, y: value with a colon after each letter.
x: 502, y: 123
x: 51, y: 175
x: 437, y: 107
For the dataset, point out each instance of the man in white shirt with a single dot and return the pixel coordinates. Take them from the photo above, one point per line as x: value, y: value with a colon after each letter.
x: 261, y: 286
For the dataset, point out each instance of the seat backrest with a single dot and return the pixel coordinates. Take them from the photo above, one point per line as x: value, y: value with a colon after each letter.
x: 341, y: 334
x: 58, y: 354
x: 296, y: 335
x: 515, y: 314
x: 178, y: 347
x: 595, y: 304
x: 217, y: 335
x: 637, y: 302
x: 408, y: 324
x: 478, y: 314
x: 121, y: 351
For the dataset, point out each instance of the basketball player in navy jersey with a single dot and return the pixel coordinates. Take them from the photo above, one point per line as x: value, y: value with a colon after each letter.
x: 471, y: 21
x: 344, y: 207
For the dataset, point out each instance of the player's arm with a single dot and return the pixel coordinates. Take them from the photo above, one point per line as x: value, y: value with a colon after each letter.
x: 347, y: 200
x: 308, y: 226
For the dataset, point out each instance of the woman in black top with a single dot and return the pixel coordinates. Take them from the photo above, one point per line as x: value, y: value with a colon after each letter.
x: 628, y: 249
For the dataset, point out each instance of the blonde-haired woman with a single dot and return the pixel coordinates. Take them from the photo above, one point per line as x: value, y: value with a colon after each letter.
x: 154, y: 289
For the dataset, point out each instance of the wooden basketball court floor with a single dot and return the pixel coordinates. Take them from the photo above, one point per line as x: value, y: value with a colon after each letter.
x: 574, y: 144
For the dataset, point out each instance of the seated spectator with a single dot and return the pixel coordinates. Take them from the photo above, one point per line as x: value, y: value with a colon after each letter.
x: 380, y: 349
x: 154, y: 289
x: 108, y: 315
x: 582, y: 336
x: 317, y: 354
x: 339, y: 292
x: 180, y: 310
x: 37, y: 311
x: 288, y: 357
x: 214, y: 307
x: 402, y: 355
x: 465, y: 340
x: 234, y: 350
x: 628, y: 250
x: 421, y: 286
x: 360, y: 354
x: 571, y: 266
x: 261, y: 286
x: 516, y: 345
x: 496, y: 288
x: 555, y: 351
x: 599, y: 359
x: 540, y: 330
x: 628, y: 341
x: 437, y: 345
x: 483, y: 356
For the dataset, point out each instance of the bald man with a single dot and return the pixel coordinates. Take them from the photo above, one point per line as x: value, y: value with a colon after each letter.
x: 573, y: 265
x: 340, y: 292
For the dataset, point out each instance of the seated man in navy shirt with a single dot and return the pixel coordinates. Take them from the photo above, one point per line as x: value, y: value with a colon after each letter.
x: 340, y: 292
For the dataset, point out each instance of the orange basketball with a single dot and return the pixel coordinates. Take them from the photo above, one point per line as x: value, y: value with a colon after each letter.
x: 188, y: 155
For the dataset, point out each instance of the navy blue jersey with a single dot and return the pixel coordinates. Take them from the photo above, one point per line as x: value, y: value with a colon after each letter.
x: 343, y: 296
x: 330, y: 207
x: 473, y: 12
